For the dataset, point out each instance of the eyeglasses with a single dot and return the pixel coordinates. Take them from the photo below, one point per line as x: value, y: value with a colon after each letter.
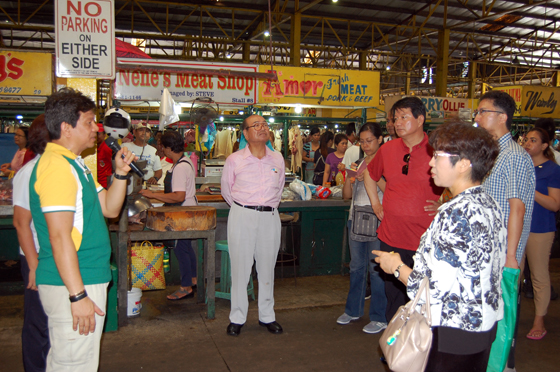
x: 406, y: 159
x: 368, y: 141
x: 442, y: 154
x: 482, y: 112
x: 258, y: 125
x: 19, y: 135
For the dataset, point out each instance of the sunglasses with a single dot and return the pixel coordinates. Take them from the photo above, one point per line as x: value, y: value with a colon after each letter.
x: 406, y: 159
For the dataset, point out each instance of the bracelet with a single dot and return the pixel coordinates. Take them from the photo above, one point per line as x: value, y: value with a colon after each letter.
x: 119, y: 177
x: 78, y: 296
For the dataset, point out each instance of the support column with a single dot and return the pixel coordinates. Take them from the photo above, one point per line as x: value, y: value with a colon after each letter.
x: 472, y: 80
x: 407, y: 84
x: 362, y: 63
x: 442, y: 62
x: 295, y: 37
x: 556, y: 80
x: 246, y: 52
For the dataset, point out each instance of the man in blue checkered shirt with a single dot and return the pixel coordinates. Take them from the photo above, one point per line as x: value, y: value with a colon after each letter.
x: 512, y: 180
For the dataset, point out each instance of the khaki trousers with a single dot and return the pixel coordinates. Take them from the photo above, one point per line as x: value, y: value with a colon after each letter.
x: 538, y: 256
x: 71, y: 351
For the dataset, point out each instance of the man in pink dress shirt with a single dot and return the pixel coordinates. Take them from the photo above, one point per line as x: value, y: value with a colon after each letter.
x: 252, y: 183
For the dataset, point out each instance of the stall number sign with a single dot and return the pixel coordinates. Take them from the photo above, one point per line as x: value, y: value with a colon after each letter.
x: 85, y: 38
x: 25, y: 73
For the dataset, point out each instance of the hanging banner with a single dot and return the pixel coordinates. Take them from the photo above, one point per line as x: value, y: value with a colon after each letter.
x: 143, y: 85
x: 515, y: 91
x: 85, y: 38
x: 25, y: 74
x: 325, y: 87
x: 439, y: 107
x: 540, y: 102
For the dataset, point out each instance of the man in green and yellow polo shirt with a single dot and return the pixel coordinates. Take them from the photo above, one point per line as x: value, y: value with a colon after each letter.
x: 68, y: 208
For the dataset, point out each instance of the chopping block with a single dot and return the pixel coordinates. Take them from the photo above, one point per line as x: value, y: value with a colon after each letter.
x: 196, y: 218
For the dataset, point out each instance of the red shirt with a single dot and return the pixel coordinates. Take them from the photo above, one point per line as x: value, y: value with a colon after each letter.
x: 405, y: 196
x: 104, y: 163
x: 28, y: 156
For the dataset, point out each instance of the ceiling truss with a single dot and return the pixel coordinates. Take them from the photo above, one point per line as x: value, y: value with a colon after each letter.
x: 404, y: 47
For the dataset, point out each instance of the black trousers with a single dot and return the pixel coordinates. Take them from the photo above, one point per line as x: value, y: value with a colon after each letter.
x: 35, y: 343
x: 444, y: 362
x: 394, y: 289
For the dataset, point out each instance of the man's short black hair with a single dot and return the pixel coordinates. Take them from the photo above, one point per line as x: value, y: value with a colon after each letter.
x: 350, y: 129
x: 173, y: 140
x: 548, y: 125
x: 503, y: 102
x: 65, y: 106
x: 413, y: 103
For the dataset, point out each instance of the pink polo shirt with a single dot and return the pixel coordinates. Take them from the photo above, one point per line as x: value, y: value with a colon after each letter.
x: 248, y: 180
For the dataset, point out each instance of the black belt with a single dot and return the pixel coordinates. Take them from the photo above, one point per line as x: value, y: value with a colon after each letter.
x: 258, y: 208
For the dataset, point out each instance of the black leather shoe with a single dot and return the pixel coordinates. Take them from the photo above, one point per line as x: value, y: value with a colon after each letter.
x: 273, y: 327
x: 234, y: 329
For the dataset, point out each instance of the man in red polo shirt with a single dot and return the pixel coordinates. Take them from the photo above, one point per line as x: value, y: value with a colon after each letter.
x: 104, y: 158
x: 409, y: 189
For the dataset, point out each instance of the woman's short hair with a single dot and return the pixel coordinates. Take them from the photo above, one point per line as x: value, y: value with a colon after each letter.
x: 339, y: 137
x: 25, y: 130
x: 173, y: 140
x: 373, y: 128
x: 314, y: 129
x: 38, y: 135
x: 543, y: 135
x: 473, y: 143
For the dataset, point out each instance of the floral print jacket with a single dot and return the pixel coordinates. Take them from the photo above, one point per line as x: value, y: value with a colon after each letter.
x: 463, y: 254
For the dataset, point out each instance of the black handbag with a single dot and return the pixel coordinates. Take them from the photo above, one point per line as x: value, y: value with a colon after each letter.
x: 364, y: 220
x: 364, y: 224
x: 318, y: 176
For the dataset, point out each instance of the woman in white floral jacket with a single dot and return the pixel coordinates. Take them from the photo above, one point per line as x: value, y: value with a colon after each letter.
x: 462, y: 252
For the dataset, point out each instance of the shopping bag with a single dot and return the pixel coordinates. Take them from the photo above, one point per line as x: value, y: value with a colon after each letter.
x: 506, y: 327
x: 147, y: 266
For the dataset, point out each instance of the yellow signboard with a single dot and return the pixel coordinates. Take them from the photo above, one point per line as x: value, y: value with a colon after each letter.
x: 540, y: 102
x: 515, y: 91
x: 325, y: 87
x: 25, y: 74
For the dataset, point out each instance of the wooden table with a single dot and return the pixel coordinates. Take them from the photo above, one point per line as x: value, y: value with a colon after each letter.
x: 209, y: 237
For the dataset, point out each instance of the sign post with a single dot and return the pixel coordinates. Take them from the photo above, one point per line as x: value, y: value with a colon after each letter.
x: 85, y: 38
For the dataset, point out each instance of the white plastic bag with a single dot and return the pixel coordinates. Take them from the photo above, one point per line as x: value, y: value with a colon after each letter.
x: 288, y: 194
x: 167, y: 114
x: 301, y: 189
x: 336, y: 191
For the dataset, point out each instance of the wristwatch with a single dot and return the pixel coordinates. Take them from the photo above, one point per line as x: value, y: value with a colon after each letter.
x: 397, y: 273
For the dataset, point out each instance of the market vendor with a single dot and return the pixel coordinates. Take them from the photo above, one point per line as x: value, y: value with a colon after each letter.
x: 146, y: 152
x: 252, y: 183
x: 179, y: 189
x: 20, y: 138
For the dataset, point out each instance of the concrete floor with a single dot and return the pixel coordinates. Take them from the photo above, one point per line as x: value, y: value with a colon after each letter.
x: 178, y: 336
